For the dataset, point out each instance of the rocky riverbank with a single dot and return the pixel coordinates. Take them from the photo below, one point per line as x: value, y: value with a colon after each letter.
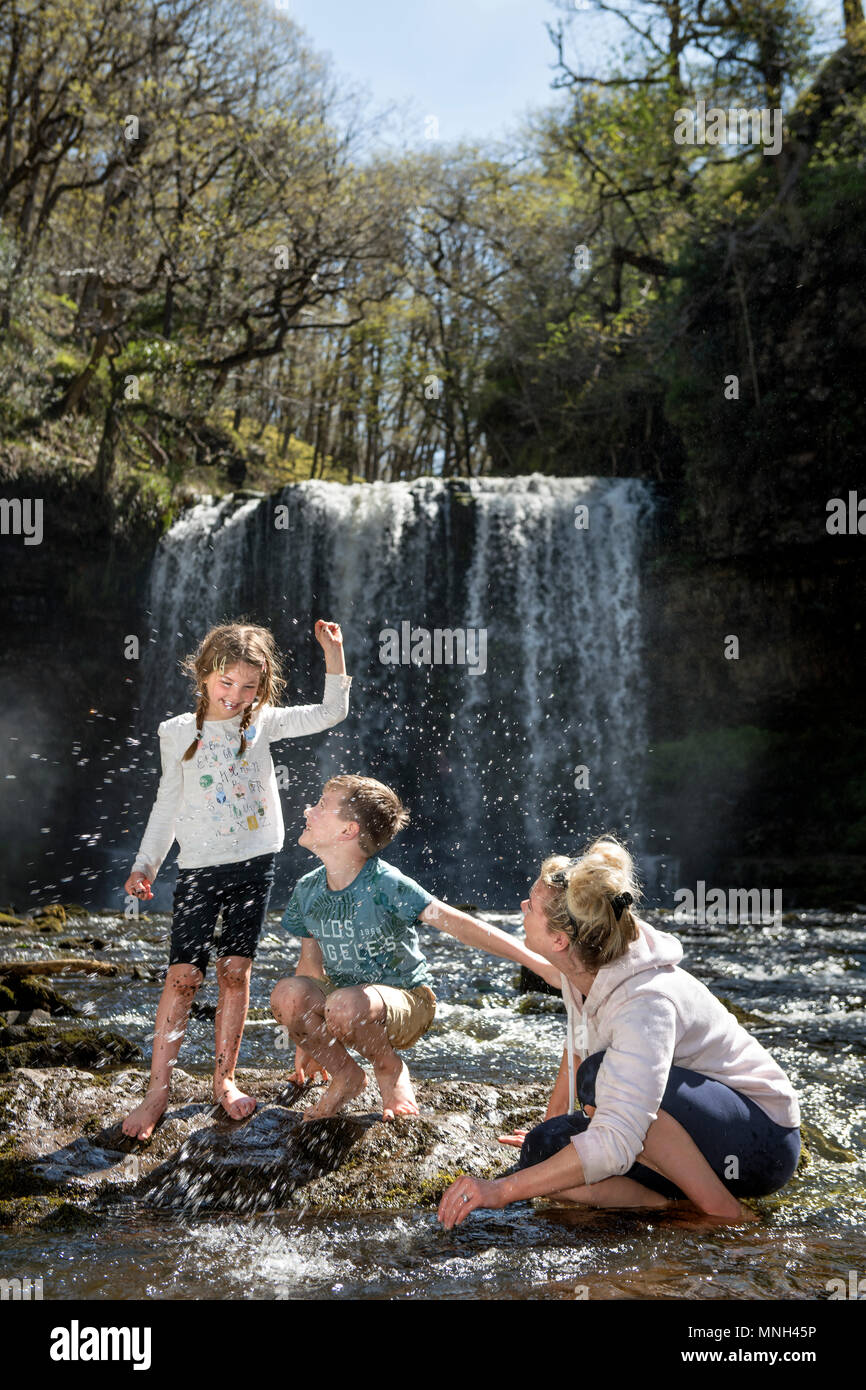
x: 63, y: 1157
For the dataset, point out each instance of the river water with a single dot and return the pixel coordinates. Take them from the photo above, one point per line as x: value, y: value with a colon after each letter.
x: 804, y: 981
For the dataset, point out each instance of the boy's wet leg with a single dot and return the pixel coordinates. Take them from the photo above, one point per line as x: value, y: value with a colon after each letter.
x: 300, y: 1007
x: 233, y: 977
x: 357, y: 1016
x: 179, y: 990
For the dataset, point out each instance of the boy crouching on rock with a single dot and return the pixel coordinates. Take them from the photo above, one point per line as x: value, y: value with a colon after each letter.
x: 362, y: 980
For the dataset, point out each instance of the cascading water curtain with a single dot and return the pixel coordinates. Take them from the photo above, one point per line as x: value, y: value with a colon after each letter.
x: 529, y: 738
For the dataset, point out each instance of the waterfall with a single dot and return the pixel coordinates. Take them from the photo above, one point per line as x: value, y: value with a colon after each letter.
x: 548, y: 569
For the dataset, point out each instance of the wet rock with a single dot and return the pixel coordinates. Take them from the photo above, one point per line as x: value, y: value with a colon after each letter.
x: 743, y: 1016
x: 63, y: 1127
x: 26, y: 1046
x: 530, y: 983
x: 8, y: 919
x: 59, y: 913
x: 66, y: 965
x: 147, y: 972
x: 540, y: 1004
x: 34, y: 1016
x: 25, y: 992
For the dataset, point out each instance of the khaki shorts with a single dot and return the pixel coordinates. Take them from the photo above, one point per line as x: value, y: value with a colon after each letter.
x: 408, y: 1012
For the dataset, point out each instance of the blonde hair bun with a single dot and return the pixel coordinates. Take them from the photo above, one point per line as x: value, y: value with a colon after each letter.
x: 591, y: 899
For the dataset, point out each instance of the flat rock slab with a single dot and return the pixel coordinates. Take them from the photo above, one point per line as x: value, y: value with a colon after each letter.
x: 61, y: 1134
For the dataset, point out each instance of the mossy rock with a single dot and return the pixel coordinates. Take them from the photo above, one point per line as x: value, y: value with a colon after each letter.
x: 86, y: 1048
x: 8, y: 919
x: 61, y: 911
x: 48, y: 1212
x: 540, y: 1004
x: 33, y: 992
x: 743, y: 1017
x: 18, y: 1179
x: 827, y: 1148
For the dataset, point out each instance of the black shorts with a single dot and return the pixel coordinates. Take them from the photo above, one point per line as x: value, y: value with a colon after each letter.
x: 240, y: 891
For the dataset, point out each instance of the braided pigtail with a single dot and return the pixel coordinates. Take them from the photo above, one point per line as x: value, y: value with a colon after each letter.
x: 248, y: 714
x: 200, y: 712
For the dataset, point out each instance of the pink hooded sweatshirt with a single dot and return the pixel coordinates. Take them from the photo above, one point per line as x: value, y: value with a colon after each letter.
x: 648, y: 1015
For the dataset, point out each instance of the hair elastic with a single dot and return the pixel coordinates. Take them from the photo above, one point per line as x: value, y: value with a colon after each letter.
x: 620, y: 903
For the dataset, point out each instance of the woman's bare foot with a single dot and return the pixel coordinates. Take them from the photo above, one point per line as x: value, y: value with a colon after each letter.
x: 344, y: 1087
x: 234, y: 1102
x: 398, y: 1097
x: 142, y: 1121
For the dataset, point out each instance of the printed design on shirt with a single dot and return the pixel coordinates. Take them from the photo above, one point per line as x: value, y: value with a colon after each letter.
x: 349, y: 946
x: 234, y: 788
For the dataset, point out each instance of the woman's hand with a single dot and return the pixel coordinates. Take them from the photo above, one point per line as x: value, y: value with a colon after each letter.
x: 515, y: 1140
x: 464, y: 1196
x: 307, y: 1068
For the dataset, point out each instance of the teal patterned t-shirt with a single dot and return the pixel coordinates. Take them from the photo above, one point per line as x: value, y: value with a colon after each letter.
x: 367, y: 930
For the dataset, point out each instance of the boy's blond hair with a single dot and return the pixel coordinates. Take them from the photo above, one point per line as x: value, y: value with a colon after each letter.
x: 378, y: 810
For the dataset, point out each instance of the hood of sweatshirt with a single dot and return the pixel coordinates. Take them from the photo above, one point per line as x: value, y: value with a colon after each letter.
x: 652, y: 950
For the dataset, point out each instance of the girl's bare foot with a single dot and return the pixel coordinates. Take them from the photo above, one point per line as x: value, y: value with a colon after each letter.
x: 398, y: 1097
x: 234, y: 1102
x: 344, y: 1087
x: 142, y: 1121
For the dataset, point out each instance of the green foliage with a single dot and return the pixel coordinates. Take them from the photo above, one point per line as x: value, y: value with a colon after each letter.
x: 715, y: 756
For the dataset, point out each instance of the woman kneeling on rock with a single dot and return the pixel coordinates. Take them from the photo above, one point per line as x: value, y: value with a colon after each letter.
x: 678, y: 1100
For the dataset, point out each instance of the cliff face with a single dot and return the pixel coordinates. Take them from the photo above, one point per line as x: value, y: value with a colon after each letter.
x: 756, y: 770
x: 66, y: 687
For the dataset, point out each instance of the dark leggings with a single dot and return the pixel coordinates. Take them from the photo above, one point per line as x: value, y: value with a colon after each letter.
x: 733, y: 1133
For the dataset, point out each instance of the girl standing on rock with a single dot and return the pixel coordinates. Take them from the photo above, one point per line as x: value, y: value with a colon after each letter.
x: 218, y: 795
x: 679, y: 1101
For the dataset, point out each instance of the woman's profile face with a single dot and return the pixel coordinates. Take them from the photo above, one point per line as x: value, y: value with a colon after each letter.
x: 539, y: 937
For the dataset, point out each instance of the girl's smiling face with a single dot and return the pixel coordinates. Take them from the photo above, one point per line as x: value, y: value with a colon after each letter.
x: 229, y: 691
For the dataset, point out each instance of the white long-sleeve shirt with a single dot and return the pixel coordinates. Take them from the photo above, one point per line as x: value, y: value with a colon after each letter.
x: 647, y: 1015
x: 221, y: 808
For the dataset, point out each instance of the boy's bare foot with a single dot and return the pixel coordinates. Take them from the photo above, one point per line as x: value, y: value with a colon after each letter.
x: 398, y: 1097
x: 234, y: 1102
x: 342, y: 1089
x: 142, y: 1121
